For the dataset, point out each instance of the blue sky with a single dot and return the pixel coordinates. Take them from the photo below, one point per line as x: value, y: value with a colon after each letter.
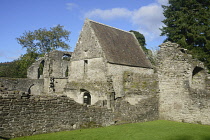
x: 18, y: 16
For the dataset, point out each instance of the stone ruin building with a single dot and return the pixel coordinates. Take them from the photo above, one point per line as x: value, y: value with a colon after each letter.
x: 106, y: 80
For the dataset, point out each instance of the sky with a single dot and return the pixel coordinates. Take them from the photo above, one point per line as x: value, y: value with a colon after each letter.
x: 18, y: 16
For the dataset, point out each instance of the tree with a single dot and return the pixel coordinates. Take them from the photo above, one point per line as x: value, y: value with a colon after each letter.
x: 188, y: 24
x: 141, y: 39
x: 18, y: 68
x: 43, y: 40
x: 24, y: 62
x: 37, y: 43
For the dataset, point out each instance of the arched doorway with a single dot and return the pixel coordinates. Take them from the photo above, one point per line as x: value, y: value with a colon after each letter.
x: 86, y: 97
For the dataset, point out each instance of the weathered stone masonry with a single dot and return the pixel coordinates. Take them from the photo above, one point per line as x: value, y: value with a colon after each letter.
x: 184, y: 86
x: 23, y: 114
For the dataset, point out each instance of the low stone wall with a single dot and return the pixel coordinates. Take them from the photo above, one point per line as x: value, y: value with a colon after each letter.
x: 22, y: 115
x: 145, y: 110
x: 23, y: 84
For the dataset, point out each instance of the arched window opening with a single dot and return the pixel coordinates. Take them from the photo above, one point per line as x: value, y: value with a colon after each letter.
x: 40, y: 69
x: 196, y: 71
x: 198, y: 78
x: 87, y: 98
x: 66, y: 57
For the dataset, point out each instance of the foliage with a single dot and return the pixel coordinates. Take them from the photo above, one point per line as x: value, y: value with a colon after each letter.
x: 141, y: 39
x: 188, y: 24
x: 18, y: 68
x: 37, y: 43
x: 42, y: 40
x: 156, y: 130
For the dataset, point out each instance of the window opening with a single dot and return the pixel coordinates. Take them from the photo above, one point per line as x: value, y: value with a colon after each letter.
x: 85, y: 66
x: 87, y: 98
x: 66, y: 57
x: 40, y: 69
x: 196, y: 71
x: 67, y: 72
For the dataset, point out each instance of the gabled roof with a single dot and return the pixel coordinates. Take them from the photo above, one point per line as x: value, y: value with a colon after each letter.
x: 120, y: 47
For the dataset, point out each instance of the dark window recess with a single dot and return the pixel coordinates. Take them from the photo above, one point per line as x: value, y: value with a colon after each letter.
x: 87, y: 98
x: 85, y: 66
x: 196, y: 71
x: 66, y: 57
x: 40, y: 69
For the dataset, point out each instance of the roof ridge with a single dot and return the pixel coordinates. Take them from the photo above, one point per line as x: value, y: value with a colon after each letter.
x: 108, y: 26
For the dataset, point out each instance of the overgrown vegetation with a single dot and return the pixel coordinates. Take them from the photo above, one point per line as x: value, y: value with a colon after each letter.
x: 156, y: 130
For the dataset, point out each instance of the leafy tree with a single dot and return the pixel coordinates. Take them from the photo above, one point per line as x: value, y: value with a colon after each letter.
x: 141, y: 39
x: 24, y: 62
x: 18, y: 68
x: 43, y: 40
x: 188, y: 24
x: 37, y: 43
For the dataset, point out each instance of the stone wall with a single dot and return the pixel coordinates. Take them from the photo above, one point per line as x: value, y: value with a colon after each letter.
x: 34, y: 86
x: 144, y: 110
x: 55, y: 64
x: 183, y: 84
x: 88, y: 46
x: 117, y: 73
x: 23, y: 115
x: 139, y: 87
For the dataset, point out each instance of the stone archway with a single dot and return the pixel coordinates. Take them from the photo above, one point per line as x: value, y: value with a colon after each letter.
x: 86, y: 97
x: 198, y: 78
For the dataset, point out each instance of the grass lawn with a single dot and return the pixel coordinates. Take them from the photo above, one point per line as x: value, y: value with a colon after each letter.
x: 156, y: 130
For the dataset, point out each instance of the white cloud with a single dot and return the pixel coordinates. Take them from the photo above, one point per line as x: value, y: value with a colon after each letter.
x: 109, y: 14
x: 162, y: 2
x: 71, y: 6
x: 147, y: 19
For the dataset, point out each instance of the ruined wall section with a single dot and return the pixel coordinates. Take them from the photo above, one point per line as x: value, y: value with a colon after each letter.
x: 144, y: 110
x: 23, y: 115
x: 33, y: 86
x: 32, y: 72
x: 140, y: 87
x: 117, y: 73
x: 183, y: 86
x: 57, y: 63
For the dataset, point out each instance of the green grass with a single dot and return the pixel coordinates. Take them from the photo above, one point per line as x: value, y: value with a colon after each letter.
x: 156, y: 130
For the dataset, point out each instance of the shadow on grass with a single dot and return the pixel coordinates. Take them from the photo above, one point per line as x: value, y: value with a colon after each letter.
x: 206, y: 138
x: 189, y: 138
x: 183, y: 138
x: 3, y: 138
